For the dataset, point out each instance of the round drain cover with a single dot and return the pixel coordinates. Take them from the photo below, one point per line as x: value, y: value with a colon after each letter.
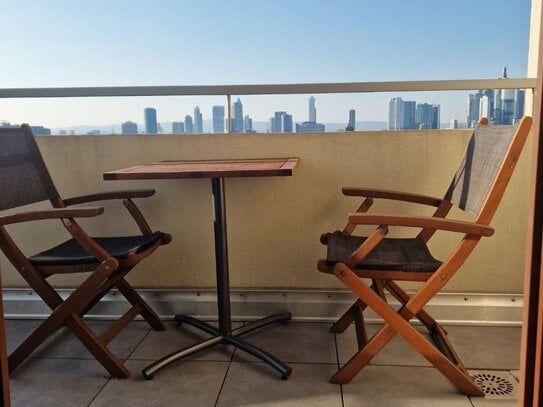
x: 492, y: 384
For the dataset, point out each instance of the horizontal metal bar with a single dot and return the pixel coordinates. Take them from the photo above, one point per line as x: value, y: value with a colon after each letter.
x: 305, y: 305
x: 273, y: 89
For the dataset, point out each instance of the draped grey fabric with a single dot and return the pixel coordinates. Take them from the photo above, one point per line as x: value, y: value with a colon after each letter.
x: 479, y: 169
x: 24, y: 179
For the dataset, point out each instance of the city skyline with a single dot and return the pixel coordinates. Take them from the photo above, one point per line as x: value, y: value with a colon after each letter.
x: 312, y: 42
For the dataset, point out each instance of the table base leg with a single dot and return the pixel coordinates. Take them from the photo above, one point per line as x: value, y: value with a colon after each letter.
x: 218, y: 337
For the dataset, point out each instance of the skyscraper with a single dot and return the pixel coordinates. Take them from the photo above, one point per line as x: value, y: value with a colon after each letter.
x: 150, y: 120
x: 218, y: 119
x: 188, y: 124
x: 286, y: 123
x: 178, y: 127
x: 312, y: 110
x: 198, y: 125
x: 129, y: 128
x: 409, y: 108
x: 427, y: 116
x: 352, y: 121
x: 248, y: 124
x: 237, y: 117
x: 395, y: 114
x: 518, y: 111
x: 485, y: 107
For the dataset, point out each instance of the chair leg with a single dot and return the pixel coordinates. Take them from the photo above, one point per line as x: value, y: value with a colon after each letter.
x: 135, y: 299
x: 347, y: 318
x: 395, y: 323
x: 402, y: 296
x: 67, y: 314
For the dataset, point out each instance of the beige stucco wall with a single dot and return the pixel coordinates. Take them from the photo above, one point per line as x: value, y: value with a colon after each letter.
x: 274, y: 223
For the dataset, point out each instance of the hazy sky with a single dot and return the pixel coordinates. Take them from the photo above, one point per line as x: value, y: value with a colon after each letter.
x: 50, y: 43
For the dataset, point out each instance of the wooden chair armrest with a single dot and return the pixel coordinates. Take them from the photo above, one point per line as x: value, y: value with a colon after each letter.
x: 394, y: 195
x: 421, y: 222
x: 105, y: 196
x: 126, y: 196
x: 55, y: 213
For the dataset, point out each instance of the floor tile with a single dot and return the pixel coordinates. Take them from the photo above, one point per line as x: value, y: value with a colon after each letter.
x: 293, y: 343
x: 187, y: 384
x: 487, y: 347
x: 57, y: 382
x: 17, y: 331
x: 254, y: 384
x: 64, y: 344
x: 516, y: 374
x: 158, y: 344
x: 400, y: 386
x: 396, y: 352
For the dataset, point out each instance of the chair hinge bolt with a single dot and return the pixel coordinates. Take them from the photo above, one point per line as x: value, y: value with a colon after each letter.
x: 443, y: 276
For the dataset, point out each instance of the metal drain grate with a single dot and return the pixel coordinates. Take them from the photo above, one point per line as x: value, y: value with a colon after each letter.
x: 492, y: 384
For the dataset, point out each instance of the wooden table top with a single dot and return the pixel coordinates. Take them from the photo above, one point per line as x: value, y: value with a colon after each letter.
x: 262, y: 167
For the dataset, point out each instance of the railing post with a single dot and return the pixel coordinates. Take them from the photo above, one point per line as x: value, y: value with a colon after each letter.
x: 228, y: 101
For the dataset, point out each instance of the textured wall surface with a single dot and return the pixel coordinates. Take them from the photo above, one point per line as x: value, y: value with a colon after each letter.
x: 274, y: 223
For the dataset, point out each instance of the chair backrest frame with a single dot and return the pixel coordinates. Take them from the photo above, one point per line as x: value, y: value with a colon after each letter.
x: 24, y: 178
x: 492, y: 153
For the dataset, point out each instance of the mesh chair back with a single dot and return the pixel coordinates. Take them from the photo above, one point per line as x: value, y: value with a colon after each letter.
x: 24, y: 178
x: 479, y: 169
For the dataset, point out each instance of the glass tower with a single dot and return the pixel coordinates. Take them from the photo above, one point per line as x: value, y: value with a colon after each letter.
x: 150, y: 120
x: 218, y: 119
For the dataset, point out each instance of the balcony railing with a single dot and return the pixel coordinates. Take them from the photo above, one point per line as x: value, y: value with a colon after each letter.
x: 270, y: 89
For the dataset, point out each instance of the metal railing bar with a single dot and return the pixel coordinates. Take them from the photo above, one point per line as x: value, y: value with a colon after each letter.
x: 271, y: 89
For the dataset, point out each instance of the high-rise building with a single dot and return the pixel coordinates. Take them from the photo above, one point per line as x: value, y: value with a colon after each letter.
x: 518, y: 111
x: 409, y: 108
x: 427, y: 116
x: 312, y: 110
x: 237, y: 117
x: 129, y: 128
x: 218, y: 119
x: 198, y: 124
x: 507, y: 102
x: 395, y: 114
x: 248, y: 124
x: 485, y: 107
x: 150, y: 120
x: 352, y: 121
x: 41, y: 131
x: 401, y: 114
x: 178, y: 127
x: 501, y: 106
x: 281, y: 122
x: 309, y: 127
x: 188, y: 124
x: 286, y: 123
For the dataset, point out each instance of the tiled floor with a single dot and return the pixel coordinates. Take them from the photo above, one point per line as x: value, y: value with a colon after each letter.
x: 63, y: 373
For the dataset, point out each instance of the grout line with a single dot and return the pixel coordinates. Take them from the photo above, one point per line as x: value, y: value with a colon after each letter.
x: 226, y: 374
x: 337, y: 364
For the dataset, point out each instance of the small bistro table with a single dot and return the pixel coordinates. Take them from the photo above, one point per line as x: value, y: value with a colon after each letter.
x: 217, y: 170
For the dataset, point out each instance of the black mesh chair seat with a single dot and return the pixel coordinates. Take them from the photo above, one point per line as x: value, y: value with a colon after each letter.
x: 70, y: 252
x: 391, y: 254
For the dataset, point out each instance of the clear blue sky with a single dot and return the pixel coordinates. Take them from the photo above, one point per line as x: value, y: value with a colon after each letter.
x: 48, y: 43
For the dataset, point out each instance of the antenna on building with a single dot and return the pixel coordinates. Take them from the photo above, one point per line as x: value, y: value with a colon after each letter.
x: 504, y: 74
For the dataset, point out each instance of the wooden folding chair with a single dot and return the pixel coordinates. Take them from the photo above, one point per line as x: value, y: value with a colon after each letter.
x: 477, y: 188
x: 24, y: 179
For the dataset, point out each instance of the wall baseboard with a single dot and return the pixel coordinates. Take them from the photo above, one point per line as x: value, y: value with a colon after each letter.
x: 305, y: 305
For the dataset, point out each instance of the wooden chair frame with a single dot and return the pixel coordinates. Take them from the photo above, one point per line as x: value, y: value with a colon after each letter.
x: 440, y: 354
x: 105, y: 274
